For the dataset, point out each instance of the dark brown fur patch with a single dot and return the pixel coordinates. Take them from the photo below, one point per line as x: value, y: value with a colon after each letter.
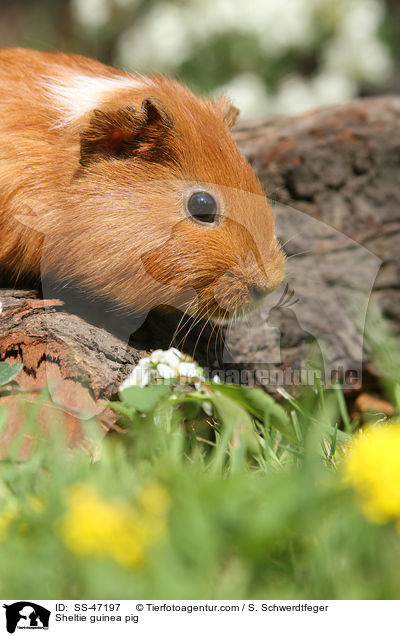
x: 127, y: 132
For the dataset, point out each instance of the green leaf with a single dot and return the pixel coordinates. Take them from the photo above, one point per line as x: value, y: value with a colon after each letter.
x: 237, y: 431
x: 128, y: 411
x: 9, y: 371
x: 254, y: 400
x: 228, y: 412
x: 145, y: 399
x: 190, y: 409
x: 260, y: 404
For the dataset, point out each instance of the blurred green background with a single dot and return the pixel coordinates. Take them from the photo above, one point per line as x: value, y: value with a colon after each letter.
x: 269, y: 56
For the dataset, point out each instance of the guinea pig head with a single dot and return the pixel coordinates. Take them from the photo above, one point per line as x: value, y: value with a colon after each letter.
x: 230, y: 259
x: 193, y: 216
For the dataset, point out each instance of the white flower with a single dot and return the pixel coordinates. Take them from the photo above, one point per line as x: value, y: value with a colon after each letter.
x: 330, y: 88
x: 144, y: 363
x: 177, y: 353
x: 156, y: 356
x: 281, y: 25
x: 363, y: 19
x: 294, y: 95
x: 166, y: 372
x: 172, y: 358
x: 190, y: 370
x: 356, y: 50
x: 248, y: 92
x: 363, y: 58
x: 92, y: 14
x: 168, y: 365
x: 297, y: 94
x: 207, y: 408
x: 140, y: 376
x: 160, y: 39
x: 187, y: 369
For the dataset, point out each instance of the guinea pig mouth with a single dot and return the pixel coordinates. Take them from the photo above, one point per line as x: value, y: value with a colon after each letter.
x: 241, y: 289
x: 237, y: 306
x: 233, y: 297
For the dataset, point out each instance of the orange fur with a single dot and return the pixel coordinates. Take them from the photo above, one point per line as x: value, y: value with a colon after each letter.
x: 100, y: 161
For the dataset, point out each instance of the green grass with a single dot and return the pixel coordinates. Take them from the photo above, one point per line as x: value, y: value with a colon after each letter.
x: 256, y: 504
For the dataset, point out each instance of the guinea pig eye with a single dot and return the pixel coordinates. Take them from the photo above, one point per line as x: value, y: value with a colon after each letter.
x: 202, y: 207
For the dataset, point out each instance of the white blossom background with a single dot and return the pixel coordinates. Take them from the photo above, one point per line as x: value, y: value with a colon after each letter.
x: 339, y: 41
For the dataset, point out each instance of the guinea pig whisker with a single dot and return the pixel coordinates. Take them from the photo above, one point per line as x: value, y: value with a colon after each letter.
x: 208, y: 320
x: 217, y: 335
x: 284, y: 293
x: 310, y: 278
x: 195, y: 322
x: 214, y: 326
x: 216, y: 344
x: 220, y: 334
x: 282, y: 245
x: 275, y: 200
x: 182, y: 341
x: 298, y: 254
x: 287, y: 301
x: 180, y: 326
x: 235, y: 316
x: 284, y: 303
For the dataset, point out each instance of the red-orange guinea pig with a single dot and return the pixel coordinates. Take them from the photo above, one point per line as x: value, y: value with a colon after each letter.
x: 131, y: 187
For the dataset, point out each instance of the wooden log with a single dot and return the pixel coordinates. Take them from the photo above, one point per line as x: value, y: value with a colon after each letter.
x: 80, y: 365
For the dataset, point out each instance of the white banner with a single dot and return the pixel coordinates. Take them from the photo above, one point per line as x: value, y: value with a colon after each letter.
x: 194, y: 617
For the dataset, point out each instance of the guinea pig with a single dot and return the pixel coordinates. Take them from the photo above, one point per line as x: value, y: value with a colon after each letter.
x: 133, y: 188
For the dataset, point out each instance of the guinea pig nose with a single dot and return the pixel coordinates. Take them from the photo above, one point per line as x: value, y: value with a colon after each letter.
x: 256, y: 292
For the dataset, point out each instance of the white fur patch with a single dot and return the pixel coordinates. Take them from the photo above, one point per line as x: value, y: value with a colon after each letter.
x: 79, y: 94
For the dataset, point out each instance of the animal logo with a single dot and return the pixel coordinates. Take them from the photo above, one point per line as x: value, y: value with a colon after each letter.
x: 26, y: 615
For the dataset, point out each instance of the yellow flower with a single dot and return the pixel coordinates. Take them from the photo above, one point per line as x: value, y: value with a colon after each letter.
x: 155, y: 500
x: 13, y: 510
x: 36, y: 504
x: 7, y: 516
x: 372, y: 467
x: 94, y: 526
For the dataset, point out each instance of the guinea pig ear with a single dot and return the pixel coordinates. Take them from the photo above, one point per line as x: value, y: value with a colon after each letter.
x: 228, y: 110
x: 127, y: 132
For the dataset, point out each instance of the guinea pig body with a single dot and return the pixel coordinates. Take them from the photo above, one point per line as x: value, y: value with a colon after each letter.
x: 130, y: 186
